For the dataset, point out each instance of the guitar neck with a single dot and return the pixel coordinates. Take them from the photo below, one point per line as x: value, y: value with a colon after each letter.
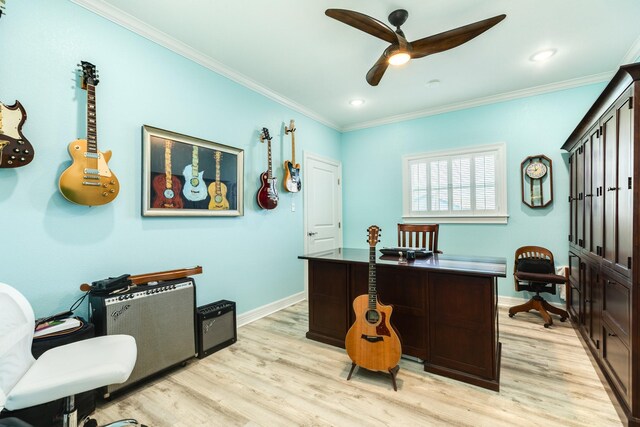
x: 167, y: 163
x: 92, y: 130
x: 218, y: 155
x: 269, y: 152
x: 373, y: 295
x: 194, y: 162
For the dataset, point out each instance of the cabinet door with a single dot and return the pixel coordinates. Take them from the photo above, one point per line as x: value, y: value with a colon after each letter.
x: 624, y: 193
x: 573, y: 197
x: 328, y: 310
x: 609, y: 129
x: 588, y: 196
x: 597, y: 184
x: 593, y: 303
x: 580, y: 196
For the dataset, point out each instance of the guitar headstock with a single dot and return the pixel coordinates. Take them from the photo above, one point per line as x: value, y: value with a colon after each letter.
x: 2, y: 12
x: 374, y: 235
x: 290, y: 129
x: 89, y: 74
x: 264, y: 135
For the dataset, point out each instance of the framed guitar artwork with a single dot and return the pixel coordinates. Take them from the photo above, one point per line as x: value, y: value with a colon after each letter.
x: 187, y: 176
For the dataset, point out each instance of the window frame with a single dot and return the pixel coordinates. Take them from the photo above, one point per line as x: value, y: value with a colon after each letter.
x: 499, y: 216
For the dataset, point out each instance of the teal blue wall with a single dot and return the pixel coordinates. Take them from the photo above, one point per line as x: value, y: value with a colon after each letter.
x: 51, y: 246
x: 535, y: 125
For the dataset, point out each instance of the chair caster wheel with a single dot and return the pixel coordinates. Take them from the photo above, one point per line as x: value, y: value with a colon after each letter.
x: 546, y: 325
x: 511, y: 314
x: 91, y: 422
x: 562, y: 319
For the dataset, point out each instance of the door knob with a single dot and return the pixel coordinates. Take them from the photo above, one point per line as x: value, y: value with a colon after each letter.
x: 312, y: 233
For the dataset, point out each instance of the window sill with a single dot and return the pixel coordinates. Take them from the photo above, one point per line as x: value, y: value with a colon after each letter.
x: 457, y: 219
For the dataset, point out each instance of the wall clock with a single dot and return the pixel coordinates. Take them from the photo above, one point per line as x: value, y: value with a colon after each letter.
x: 537, y: 181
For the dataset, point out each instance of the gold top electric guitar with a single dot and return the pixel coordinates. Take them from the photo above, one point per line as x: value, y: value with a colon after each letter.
x: 89, y: 181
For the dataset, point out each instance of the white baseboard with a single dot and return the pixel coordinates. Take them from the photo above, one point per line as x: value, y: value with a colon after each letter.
x: 265, y: 310
x: 511, y: 301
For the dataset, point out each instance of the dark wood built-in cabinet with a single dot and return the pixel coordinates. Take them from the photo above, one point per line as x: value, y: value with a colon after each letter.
x: 604, y: 243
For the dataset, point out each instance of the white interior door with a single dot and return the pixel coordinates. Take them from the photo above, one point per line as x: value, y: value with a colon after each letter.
x: 322, y: 203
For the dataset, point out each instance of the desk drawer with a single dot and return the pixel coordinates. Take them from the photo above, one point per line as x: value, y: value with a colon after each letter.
x: 617, y: 358
x: 617, y: 307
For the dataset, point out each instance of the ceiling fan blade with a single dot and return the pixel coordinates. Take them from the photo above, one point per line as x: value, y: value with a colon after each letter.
x: 374, y: 75
x: 452, y: 38
x: 363, y: 23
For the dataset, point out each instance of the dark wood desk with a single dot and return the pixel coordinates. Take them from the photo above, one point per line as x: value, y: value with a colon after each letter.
x: 444, y: 307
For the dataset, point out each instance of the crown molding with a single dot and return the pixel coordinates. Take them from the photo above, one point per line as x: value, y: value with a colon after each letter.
x: 508, y: 96
x: 633, y: 53
x: 117, y: 16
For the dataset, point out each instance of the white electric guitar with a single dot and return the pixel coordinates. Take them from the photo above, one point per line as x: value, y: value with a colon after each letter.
x: 194, y: 187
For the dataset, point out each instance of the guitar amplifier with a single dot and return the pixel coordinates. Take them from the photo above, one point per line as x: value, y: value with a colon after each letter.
x: 160, y: 317
x: 216, y: 327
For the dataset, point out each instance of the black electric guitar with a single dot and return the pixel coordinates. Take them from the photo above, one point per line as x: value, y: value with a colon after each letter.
x: 268, y: 192
x: 372, y: 342
x: 15, y: 150
x: 1, y: 8
x: 292, y: 182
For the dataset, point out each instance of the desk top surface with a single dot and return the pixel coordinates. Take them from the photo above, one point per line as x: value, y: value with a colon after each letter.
x: 474, y: 265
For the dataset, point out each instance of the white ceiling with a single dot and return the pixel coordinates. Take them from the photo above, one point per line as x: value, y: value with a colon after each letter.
x: 290, y: 51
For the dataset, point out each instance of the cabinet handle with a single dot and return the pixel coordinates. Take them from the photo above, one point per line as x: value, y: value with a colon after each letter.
x: 613, y: 188
x: 588, y: 195
x: 611, y: 334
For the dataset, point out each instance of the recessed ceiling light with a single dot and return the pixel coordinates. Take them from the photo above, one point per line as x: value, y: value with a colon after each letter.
x: 356, y: 102
x: 543, y: 55
x: 433, y: 83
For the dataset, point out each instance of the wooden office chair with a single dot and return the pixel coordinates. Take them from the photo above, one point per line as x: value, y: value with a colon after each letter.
x: 418, y: 235
x: 534, y: 271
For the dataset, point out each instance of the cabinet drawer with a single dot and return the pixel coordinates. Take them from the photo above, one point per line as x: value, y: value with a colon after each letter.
x: 574, y: 269
x: 573, y: 303
x: 617, y: 358
x: 617, y: 308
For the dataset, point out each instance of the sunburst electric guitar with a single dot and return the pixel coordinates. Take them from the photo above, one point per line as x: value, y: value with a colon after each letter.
x: 15, y: 150
x: 89, y: 181
x: 292, y: 182
x: 218, y: 190
x: 194, y: 187
x: 372, y: 343
x: 167, y: 187
x: 268, y: 192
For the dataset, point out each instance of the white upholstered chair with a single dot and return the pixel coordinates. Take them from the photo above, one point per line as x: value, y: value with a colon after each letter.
x: 61, y: 372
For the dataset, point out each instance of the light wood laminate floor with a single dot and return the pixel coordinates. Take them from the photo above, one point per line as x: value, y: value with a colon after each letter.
x: 274, y: 376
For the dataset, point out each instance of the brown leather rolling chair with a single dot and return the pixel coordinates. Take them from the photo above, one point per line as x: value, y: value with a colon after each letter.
x: 423, y: 236
x: 534, y: 271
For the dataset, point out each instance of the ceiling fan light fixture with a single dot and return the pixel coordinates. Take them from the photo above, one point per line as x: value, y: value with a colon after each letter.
x: 543, y: 55
x: 356, y: 102
x: 399, y: 58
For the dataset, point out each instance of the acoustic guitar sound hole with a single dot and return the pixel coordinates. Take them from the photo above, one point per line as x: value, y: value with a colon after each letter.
x: 168, y: 193
x: 372, y: 316
x: 195, y: 182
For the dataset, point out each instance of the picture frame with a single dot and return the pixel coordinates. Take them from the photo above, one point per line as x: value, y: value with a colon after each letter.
x: 188, y: 176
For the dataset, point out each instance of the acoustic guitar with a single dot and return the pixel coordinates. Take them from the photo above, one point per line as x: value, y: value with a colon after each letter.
x: 15, y: 150
x: 292, y: 182
x: 89, y: 181
x: 372, y: 343
x: 194, y: 187
x: 167, y: 188
x: 218, y: 190
x: 268, y: 192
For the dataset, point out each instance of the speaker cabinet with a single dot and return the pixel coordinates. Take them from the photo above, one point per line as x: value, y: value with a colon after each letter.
x: 161, y: 317
x: 216, y: 327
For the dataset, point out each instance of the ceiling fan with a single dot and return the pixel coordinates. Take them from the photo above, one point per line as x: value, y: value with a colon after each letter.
x: 400, y: 51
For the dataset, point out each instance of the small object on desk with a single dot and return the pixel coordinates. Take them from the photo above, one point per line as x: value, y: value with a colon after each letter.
x: 419, y: 253
x: 411, y: 255
x: 401, y: 260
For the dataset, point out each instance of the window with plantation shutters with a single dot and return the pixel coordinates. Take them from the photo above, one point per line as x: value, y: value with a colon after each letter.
x: 467, y: 185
